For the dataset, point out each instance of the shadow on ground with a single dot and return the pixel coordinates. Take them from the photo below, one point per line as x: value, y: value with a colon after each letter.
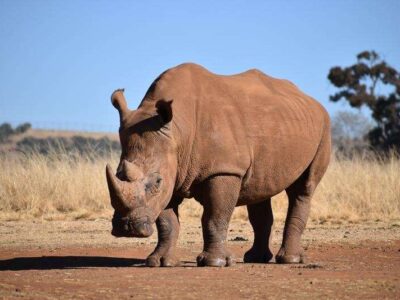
x: 67, y: 262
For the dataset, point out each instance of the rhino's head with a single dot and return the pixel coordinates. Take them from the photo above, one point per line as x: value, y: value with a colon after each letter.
x: 144, y: 181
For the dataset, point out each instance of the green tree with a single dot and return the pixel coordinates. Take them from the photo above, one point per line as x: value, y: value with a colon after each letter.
x: 373, y: 83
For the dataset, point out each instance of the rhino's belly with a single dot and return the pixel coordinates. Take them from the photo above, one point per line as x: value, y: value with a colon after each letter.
x: 275, y: 166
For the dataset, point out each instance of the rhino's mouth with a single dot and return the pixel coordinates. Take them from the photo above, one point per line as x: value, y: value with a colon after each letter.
x: 127, y: 227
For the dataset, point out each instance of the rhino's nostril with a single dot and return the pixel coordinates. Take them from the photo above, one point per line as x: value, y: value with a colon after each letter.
x: 131, y: 226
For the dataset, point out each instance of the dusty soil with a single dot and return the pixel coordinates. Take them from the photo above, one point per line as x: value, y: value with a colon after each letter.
x: 80, y: 259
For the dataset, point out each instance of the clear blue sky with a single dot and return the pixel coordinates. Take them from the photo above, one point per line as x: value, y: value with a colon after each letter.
x: 60, y: 60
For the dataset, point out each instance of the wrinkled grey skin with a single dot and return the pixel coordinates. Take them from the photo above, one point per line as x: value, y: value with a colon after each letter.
x: 225, y: 141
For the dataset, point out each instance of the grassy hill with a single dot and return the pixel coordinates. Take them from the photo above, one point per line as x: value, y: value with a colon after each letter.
x: 40, y: 138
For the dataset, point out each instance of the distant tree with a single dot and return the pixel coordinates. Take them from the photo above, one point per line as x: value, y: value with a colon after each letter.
x: 23, y: 128
x: 350, y: 132
x: 6, y: 131
x: 373, y: 83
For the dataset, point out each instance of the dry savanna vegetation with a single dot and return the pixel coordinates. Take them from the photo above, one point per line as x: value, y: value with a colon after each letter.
x: 57, y: 187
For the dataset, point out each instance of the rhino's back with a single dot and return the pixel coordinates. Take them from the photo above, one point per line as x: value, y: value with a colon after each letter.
x: 250, y: 124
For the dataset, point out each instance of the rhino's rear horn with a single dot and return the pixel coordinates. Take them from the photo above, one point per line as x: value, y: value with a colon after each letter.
x: 131, y: 171
x: 121, y: 192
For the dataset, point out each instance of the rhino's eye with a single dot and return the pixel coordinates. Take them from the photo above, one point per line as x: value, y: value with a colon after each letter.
x: 153, y: 184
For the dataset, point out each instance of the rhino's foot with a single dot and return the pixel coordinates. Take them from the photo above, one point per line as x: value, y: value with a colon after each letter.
x: 254, y: 256
x: 156, y: 260
x: 207, y: 259
x: 285, y: 258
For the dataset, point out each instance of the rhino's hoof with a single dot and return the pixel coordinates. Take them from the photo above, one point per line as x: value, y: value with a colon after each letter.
x: 161, y: 261
x: 206, y: 259
x: 257, y: 257
x: 289, y: 259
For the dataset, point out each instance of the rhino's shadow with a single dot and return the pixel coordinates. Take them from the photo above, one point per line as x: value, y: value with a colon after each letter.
x: 68, y: 262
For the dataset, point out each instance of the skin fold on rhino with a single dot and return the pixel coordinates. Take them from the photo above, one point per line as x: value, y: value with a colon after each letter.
x: 224, y: 141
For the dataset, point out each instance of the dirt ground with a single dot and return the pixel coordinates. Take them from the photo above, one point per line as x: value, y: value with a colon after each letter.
x: 80, y: 259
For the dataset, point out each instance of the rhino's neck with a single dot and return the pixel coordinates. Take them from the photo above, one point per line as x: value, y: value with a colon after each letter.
x: 183, y: 133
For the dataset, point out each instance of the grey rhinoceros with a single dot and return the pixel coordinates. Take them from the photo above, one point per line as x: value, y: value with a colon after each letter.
x: 224, y: 141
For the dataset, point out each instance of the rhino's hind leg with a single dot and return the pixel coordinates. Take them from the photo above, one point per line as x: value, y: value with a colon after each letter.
x: 300, y: 194
x: 298, y: 210
x: 261, y: 219
x: 218, y: 196
x: 168, y: 232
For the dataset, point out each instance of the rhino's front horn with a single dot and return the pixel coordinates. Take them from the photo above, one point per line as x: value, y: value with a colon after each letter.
x: 121, y: 192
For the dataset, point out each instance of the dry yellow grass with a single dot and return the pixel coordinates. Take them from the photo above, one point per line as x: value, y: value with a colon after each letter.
x: 65, y: 187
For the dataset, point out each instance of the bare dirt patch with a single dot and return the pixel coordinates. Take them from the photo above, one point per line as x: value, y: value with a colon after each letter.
x: 80, y: 259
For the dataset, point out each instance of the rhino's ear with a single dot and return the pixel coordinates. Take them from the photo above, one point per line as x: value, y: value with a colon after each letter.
x: 164, y: 110
x: 119, y: 102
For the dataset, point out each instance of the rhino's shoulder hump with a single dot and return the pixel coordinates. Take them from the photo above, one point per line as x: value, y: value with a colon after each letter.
x: 174, y: 78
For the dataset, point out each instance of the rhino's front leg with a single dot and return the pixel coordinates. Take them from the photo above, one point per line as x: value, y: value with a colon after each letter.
x: 168, y: 232
x: 219, y: 197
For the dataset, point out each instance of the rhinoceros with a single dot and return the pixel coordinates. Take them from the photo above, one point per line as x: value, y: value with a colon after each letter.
x: 225, y: 141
